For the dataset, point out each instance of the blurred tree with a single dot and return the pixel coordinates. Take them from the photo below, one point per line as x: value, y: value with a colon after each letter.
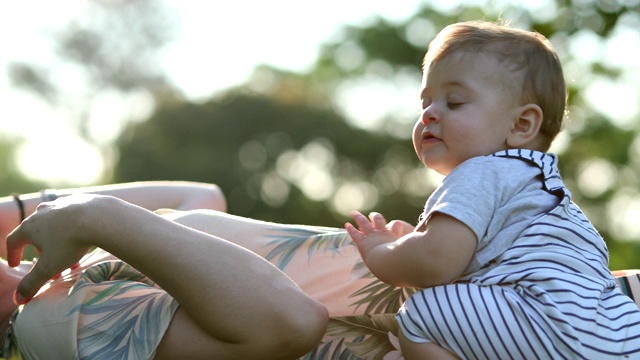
x: 11, y: 179
x: 599, y: 150
x: 275, y: 160
x: 281, y: 150
x: 110, y: 51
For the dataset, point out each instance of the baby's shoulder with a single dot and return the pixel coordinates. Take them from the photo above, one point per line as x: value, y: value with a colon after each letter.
x: 494, y: 166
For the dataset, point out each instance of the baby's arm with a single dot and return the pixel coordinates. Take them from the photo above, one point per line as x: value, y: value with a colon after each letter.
x: 436, y: 256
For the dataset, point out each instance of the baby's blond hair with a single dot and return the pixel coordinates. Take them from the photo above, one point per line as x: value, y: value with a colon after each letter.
x: 526, y: 52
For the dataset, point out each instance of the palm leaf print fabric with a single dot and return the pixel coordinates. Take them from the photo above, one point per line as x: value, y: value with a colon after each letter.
x: 123, y: 304
x: 365, y: 327
x: 107, y: 310
x: 369, y: 331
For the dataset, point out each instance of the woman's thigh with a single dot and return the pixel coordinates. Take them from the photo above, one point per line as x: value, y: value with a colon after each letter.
x: 322, y: 261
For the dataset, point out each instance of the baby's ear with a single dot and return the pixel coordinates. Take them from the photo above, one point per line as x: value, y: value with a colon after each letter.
x: 526, y: 126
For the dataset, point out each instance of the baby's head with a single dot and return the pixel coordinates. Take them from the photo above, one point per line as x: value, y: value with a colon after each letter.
x: 532, y: 70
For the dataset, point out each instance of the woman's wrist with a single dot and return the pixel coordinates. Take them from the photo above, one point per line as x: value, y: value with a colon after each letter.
x: 95, y: 218
x: 105, y: 221
x: 20, y: 205
x: 16, y: 207
x: 10, y: 213
x: 47, y: 195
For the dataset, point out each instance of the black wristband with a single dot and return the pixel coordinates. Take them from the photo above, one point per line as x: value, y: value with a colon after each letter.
x: 16, y: 197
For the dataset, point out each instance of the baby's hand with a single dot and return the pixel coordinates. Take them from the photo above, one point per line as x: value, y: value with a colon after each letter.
x: 371, y: 232
x: 400, y: 228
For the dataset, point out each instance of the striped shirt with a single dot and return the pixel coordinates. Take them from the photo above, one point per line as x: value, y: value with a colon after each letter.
x: 539, y: 286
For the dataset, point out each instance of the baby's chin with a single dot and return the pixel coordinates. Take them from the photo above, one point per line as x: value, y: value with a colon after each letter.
x: 440, y: 169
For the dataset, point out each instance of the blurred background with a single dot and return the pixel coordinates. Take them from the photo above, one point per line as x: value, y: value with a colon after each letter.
x: 299, y: 111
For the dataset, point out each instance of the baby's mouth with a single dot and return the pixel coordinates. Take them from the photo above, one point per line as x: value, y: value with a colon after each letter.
x: 426, y: 136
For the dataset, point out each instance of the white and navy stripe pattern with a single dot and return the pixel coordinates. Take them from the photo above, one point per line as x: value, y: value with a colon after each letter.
x: 549, y: 296
x: 629, y: 282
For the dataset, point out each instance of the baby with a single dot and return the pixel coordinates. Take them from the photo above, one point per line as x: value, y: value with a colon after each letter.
x: 509, y: 265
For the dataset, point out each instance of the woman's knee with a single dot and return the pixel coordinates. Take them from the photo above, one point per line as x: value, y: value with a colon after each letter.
x: 286, y: 336
x: 284, y: 330
x: 301, y: 331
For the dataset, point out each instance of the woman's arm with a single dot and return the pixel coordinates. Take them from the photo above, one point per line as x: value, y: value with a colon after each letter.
x: 233, y: 303
x: 151, y: 195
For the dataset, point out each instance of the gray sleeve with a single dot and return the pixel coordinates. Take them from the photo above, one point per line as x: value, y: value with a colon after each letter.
x: 496, y: 198
x: 469, y: 194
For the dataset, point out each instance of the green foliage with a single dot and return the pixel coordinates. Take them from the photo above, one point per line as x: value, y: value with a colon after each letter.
x: 11, y: 179
x: 241, y: 141
x: 589, y: 142
x: 112, y: 47
x: 370, y: 333
x: 204, y: 142
x: 599, y: 137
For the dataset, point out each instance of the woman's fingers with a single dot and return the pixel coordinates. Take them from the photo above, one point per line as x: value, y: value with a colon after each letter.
x: 55, y: 243
x: 16, y: 241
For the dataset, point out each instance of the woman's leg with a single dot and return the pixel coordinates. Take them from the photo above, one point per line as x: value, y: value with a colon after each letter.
x: 289, y: 336
x: 285, y: 329
x: 233, y: 303
x: 322, y: 261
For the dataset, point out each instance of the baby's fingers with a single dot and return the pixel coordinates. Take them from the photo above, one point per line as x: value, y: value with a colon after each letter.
x: 378, y: 221
x: 363, y: 223
x: 354, y: 233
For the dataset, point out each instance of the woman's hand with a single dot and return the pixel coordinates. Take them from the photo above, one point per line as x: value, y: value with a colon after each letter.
x: 56, y: 230
x: 9, y: 218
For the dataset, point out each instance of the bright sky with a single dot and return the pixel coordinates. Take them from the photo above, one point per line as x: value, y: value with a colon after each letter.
x: 283, y: 33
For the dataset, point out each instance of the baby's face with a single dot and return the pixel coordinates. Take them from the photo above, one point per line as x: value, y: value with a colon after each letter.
x: 467, y: 110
